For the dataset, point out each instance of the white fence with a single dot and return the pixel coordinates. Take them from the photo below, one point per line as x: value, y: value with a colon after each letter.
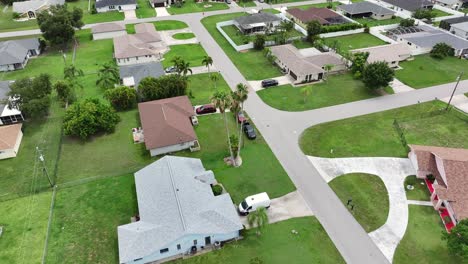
x: 342, y: 33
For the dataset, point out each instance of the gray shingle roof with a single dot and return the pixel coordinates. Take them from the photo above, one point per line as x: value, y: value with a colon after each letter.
x: 173, y: 203
x: 4, y: 89
x: 410, y: 5
x: 429, y: 39
x: 142, y: 70
x: 107, y: 27
x: 257, y: 18
x: 33, y: 5
x: 461, y: 26
x: 14, y: 51
x: 104, y: 3
x: 365, y: 7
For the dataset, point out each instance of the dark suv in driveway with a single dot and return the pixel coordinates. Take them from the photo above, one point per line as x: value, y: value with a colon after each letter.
x: 205, y: 109
x: 269, y: 83
x: 249, y: 130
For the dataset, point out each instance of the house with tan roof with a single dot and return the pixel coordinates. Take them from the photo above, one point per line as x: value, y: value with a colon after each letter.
x: 392, y: 54
x: 10, y: 140
x: 108, y: 30
x: 445, y: 171
x: 146, y: 45
x: 306, y: 68
x: 167, y: 125
x: 324, y: 16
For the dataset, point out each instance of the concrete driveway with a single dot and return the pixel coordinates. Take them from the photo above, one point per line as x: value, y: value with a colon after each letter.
x: 282, y: 80
x: 161, y: 12
x: 285, y: 207
x: 399, y: 87
x: 130, y: 14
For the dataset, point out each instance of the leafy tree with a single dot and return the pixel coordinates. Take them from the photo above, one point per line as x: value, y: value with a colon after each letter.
x: 72, y: 72
x: 328, y: 68
x: 108, y: 75
x: 442, y: 50
x: 182, y: 67
x: 329, y: 4
x: 121, y: 98
x: 163, y: 87
x: 306, y: 91
x: 359, y: 61
x: 207, y: 61
x: 407, y: 22
x: 258, y: 218
x: 89, y: 117
x: 58, y: 24
x: 377, y: 75
x: 424, y: 14
x: 284, y: 31
x: 222, y: 101
x: 214, y: 78
x: 65, y: 92
x: 457, y: 239
x: 314, y: 28
x: 32, y: 95
x: 259, y: 41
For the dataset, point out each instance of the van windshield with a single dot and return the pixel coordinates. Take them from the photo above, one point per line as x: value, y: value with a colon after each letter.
x: 244, y: 205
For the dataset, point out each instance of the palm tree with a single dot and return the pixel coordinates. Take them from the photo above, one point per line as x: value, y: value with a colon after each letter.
x: 327, y: 68
x: 214, y: 78
x: 222, y: 101
x: 108, y: 75
x: 71, y: 72
x: 305, y: 91
x: 242, y: 93
x: 207, y: 61
x: 183, y: 67
x: 258, y: 218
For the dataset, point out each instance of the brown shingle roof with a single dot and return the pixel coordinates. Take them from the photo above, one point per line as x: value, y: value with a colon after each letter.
x: 319, y: 14
x: 107, y: 27
x: 167, y: 122
x: 9, y: 135
x: 140, y: 43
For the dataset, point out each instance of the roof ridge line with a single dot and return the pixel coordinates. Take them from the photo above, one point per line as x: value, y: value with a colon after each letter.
x: 179, y: 207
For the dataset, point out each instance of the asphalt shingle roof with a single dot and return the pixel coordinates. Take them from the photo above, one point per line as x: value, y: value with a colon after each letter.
x: 142, y: 70
x: 257, y: 18
x: 104, y: 3
x: 365, y: 7
x: 14, y: 51
x: 410, y: 5
x: 33, y: 5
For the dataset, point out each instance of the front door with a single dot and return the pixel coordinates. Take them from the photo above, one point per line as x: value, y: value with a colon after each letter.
x: 31, y: 14
x: 207, y: 241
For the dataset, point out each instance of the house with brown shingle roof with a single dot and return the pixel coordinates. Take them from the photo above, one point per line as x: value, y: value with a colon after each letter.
x: 445, y: 171
x: 10, y: 140
x: 324, y: 16
x: 167, y: 125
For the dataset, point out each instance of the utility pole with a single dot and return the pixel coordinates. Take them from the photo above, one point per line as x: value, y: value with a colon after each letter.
x: 454, y: 89
x: 44, y: 168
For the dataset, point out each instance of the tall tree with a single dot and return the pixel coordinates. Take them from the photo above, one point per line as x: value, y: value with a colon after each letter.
x: 241, y: 95
x: 163, y: 87
x: 182, y: 66
x: 314, y: 28
x: 377, y: 75
x: 214, y: 78
x: 32, y: 95
x: 457, y: 239
x: 65, y: 92
x: 222, y: 101
x: 58, y: 24
x: 259, y: 219
x: 108, y: 76
x: 328, y: 68
x: 359, y: 61
x: 71, y: 75
x: 121, y: 98
x: 207, y: 61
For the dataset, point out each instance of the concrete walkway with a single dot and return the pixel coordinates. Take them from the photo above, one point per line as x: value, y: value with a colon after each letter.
x: 161, y: 12
x: 399, y: 87
x: 130, y: 15
x: 285, y: 207
x: 425, y: 203
x: 393, y: 172
x: 459, y: 101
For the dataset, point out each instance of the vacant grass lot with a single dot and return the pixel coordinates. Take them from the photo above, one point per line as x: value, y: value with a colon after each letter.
x: 192, y: 53
x: 202, y: 88
x: 252, y: 64
x: 374, y: 22
x: 183, y: 36
x: 354, y: 41
x: 369, y: 197
x: 423, y: 242
x: 193, y: 7
x: 144, y: 9
x: 338, y: 89
x: 277, y: 245
x: 420, y: 191
x: 426, y: 71
x: 373, y: 135
x: 24, y: 222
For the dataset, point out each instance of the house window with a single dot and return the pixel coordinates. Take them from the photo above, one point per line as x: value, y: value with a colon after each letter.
x: 195, y: 242
x: 164, y: 250
x: 111, y: 7
x: 393, y: 62
x: 136, y: 58
x: 178, y: 247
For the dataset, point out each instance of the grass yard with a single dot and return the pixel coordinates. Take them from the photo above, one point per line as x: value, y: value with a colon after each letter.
x: 320, y: 5
x: 192, y: 53
x: 338, y: 89
x: 435, y: 71
x: 369, y: 197
x: 8, y: 24
x: 277, y: 245
x: 354, y: 41
x: 202, y: 87
x: 374, y: 135
x: 183, y: 36
x: 420, y: 191
x: 440, y: 13
x: 160, y: 26
x: 302, y: 44
x: 236, y: 35
x: 374, y: 22
x: 193, y: 7
x: 252, y: 64
x: 86, y: 216
x: 246, y: 3
x: 423, y: 242
x: 24, y: 222
x: 89, y: 18
x: 144, y: 9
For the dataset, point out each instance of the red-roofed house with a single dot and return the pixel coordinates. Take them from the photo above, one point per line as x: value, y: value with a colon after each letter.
x: 324, y: 16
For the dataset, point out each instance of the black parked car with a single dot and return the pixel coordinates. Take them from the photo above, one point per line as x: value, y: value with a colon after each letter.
x: 249, y: 131
x: 269, y: 83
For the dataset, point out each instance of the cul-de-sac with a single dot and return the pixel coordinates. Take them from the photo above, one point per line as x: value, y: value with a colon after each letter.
x: 233, y: 131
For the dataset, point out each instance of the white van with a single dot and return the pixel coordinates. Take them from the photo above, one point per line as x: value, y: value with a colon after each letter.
x: 253, y: 202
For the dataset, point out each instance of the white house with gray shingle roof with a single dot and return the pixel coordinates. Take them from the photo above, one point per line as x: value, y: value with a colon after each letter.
x: 178, y: 213
x: 14, y: 54
x: 366, y: 9
x: 257, y: 23
x: 115, y: 5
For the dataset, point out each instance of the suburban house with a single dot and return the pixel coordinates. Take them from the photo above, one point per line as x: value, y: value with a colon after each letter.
x: 29, y: 9
x: 131, y: 75
x: 257, y: 23
x: 167, y: 126
x: 178, y: 213
x: 10, y: 140
x: 365, y: 9
x: 115, y: 5
x: 392, y: 54
x: 409, y: 5
x: 14, y: 54
x: 8, y: 115
x: 146, y: 45
x: 422, y: 38
x: 324, y: 16
x: 460, y: 29
x: 453, y: 4
x: 108, y: 30
x: 445, y: 171
x: 306, y: 67
x: 447, y: 23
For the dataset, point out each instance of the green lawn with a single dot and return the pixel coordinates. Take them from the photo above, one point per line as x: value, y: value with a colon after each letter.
x: 369, y: 197
x: 8, y: 24
x: 320, y: 5
x: 374, y: 135
x: 246, y: 3
x: 277, y: 245
x: 354, y: 41
x: 202, y: 87
x: 24, y: 222
x: 86, y: 216
x: 89, y: 18
x: 420, y: 191
x: 302, y: 44
x: 440, y: 13
x: 423, y: 242
x: 236, y: 35
x: 252, y: 64
x: 183, y: 36
x: 160, y: 25
x: 435, y: 71
x: 193, y: 7
x: 338, y: 89
x: 144, y: 9
x: 374, y: 22
x: 192, y: 53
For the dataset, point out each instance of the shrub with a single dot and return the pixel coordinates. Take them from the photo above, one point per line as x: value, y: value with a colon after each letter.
x: 259, y: 42
x: 217, y: 189
x: 163, y: 87
x: 407, y: 22
x: 442, y: 50
x: 121, y: 98
x: 377, y: 75
x: 16, y: 15
x: 366, y: 29
x: 457, y: 243
x: 93, y: 10
x: 341, y: 27
x: 431, y: 178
